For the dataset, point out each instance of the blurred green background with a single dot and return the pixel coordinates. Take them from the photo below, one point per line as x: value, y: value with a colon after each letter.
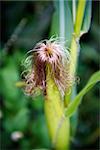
x: 23, y: 125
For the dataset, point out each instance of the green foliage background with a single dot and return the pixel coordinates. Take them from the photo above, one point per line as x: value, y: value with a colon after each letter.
x: 19, y: 112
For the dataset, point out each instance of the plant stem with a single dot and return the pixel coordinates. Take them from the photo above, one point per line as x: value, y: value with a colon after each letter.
x: 75, y: 42
x: 76, y: 35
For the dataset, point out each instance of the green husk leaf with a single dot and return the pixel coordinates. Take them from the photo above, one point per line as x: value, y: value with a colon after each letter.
x: 58, y: 125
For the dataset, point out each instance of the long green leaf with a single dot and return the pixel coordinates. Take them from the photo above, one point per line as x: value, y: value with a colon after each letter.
x: 75, y: 103
x: 83, y: 17
x: 62, y: 23
x: 87, y: 17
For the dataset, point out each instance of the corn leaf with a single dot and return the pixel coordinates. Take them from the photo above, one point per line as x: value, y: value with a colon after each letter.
x: 62, y: 23
x: 87, y: 17
x: 75, y: 103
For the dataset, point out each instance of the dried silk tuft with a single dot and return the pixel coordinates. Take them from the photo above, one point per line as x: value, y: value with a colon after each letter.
x: 48, y: 52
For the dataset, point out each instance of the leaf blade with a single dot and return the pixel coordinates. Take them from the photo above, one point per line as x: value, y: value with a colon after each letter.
x: 62, y: 23
x: 87, y: 18
x: 75, y: 103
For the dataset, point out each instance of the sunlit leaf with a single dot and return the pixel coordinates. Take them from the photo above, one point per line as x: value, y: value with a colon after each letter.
x: 75, y: 103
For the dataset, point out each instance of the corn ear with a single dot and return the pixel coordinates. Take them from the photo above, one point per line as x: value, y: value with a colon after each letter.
x: 58, y: 125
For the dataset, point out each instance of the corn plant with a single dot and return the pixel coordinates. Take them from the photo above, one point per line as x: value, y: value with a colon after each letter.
x: 53, y: 67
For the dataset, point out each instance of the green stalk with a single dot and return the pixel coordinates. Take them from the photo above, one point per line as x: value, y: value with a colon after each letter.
x: 75, y: 42
x: 58, y: 125
x: 76, y: 35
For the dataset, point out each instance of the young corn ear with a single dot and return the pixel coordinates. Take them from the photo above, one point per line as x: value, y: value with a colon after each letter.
x: 58, y: 125
x: 49, y: 72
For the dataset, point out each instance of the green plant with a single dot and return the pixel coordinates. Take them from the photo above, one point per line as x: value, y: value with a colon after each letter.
x: 58, y: 111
